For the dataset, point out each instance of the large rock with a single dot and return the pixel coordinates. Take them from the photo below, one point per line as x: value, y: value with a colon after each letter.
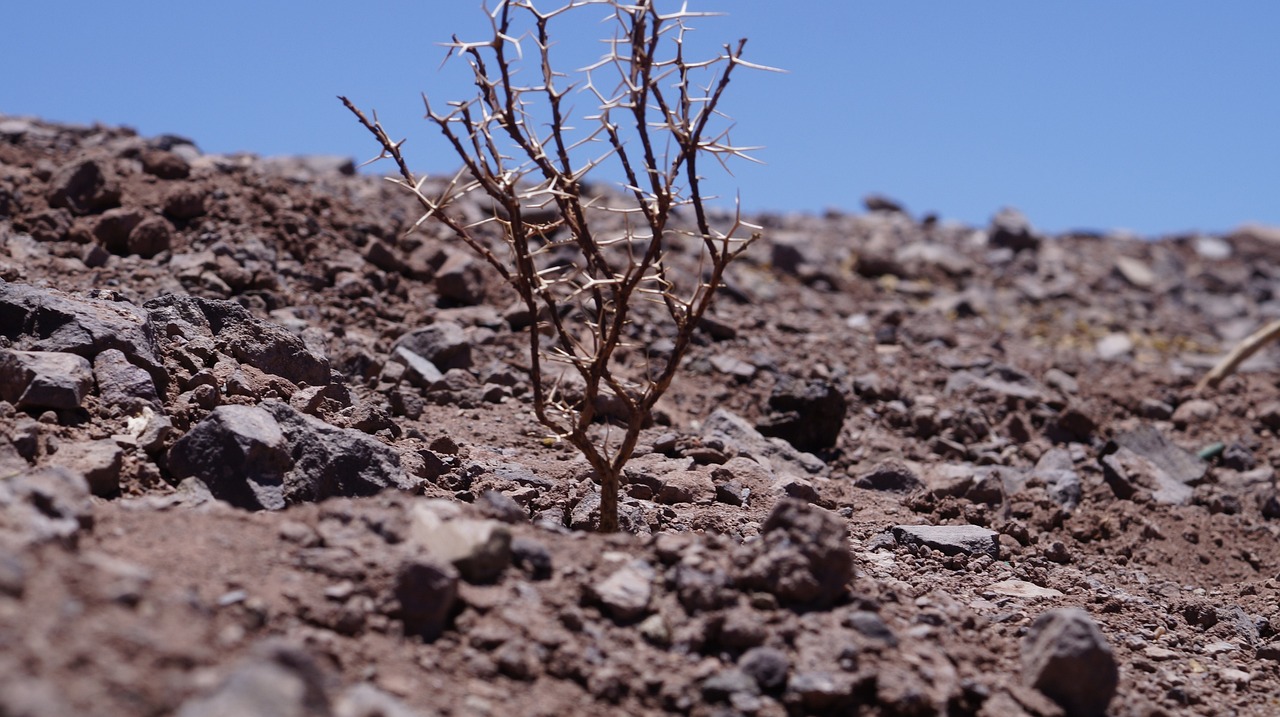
x: 49, y: 504
x: 808, y: 415
x: 774, y: 454
x: 1066, y: 656
x: 278, y: 681
x: 84, y: 188
x: 44, y: 379
x: 802, y: 556
x: 98, y: 461
x: 240, y: 453
x: 48, y: 320
x: 270, y: 456
x: 261, y: 344
x: 329, y: 461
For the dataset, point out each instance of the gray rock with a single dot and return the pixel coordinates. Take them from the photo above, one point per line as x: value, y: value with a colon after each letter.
x: 725, y: 683
x: 329, y: 461
x: 890, y: 475
x: 1145, y: 458
x: 1056, y: 471
x: 98, y: 461
x: 121, y: 385
x: 240, y: 453
x: 425, y: 591
x: 807, y: 414
x: 951, y: 539
x: 365, y: 700
x: 479, y: 549
x: 775, y: 454
x: 43, y: 505
x: 279, y: 681
x: 1010, y: 230
x: 997, y: 379
x: 1136, y: 272
x: 532, y: 556
x: 1066, y: 656
x: 802, y: 556
x: 768, y: 666
x: 626, y: 593
x: 443, y: 343
x: 871, y: 626
x: 880, y: 203
x: 821, y: 691
x: 417, y: 370
x: 1113, y: 347
x: 47, y: 320
x: 44, y: 379
x: 234, y: 331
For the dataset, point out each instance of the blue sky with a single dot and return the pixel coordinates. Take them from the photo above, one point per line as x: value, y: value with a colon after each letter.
x: 1155, y: 116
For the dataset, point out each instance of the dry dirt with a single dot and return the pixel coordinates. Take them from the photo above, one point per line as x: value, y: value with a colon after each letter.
x: 433, y: 555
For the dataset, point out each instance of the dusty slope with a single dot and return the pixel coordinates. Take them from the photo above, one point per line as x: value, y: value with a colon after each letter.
x: 1037, y: 387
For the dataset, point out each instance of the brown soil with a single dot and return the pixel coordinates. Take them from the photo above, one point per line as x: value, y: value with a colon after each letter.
x: 977, y: 366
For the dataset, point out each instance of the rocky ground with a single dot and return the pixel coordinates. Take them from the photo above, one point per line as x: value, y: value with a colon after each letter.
x: 268, y: 454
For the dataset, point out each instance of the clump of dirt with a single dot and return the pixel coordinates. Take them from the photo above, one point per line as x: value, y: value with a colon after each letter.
x: 267, y: 452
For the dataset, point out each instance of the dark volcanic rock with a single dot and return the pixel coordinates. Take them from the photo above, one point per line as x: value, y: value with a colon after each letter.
x: 807, y: 415
x: 1011, y: 230
x: 48, y: 320
x: 240, y: 453
x: 265, y: 346
x: 44, y: 379
x: 1065, y: 656
x: 802, y: 556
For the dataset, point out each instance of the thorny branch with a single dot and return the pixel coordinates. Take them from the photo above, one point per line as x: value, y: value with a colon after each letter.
x: 587, y: 297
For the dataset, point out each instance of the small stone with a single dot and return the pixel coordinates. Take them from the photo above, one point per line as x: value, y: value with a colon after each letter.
x: 951, y: 539
x: 1066, y: 656
x: 732, y: 493
x: 626, y: 593
x: 425, y: 591
x: 443, y: 343
x: 1114, y: 346
x: 1136, y: 272
x: 278, y: 681
x: 1269, y: 415
x: 1195, y: 411
x: 768, y: 666
x: 685, y: 487
x: 1023, y: 589
x: 890, y: 475
x: 1010, y: 230
x: 871, y: 626
x: 150, y: 237
x: 532, y: 556
x: 479, y: 549
x: 720, y: 686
